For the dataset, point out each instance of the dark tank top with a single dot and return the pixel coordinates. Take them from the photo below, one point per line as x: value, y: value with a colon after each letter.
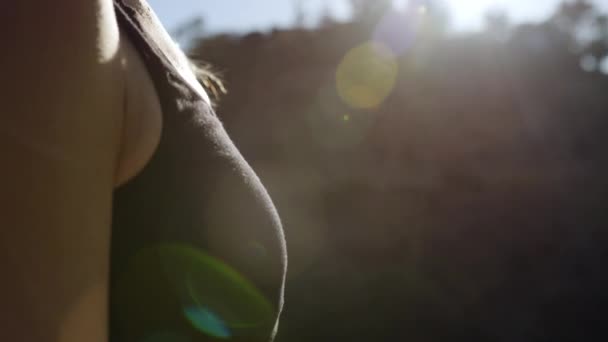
x: 198, y: 252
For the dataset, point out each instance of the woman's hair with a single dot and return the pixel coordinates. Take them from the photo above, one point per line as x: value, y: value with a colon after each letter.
x: 209, y: 78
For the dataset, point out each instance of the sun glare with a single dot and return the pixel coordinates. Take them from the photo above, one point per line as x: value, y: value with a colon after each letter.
x: 465, y: 14
x: 469, y: 14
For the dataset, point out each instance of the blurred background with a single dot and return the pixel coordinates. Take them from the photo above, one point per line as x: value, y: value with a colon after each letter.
x: 439, y: 166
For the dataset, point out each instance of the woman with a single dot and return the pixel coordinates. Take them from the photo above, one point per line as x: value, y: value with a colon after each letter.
x: 127, y: 213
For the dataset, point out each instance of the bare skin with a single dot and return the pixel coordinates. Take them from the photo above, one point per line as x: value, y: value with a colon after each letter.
x: 142, y: 121
x: 79, y: 117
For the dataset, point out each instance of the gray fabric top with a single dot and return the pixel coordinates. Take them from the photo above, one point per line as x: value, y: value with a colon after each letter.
x: 198, y: 251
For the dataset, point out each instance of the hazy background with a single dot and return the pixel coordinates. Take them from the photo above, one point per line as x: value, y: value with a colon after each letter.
x: 440, y: 167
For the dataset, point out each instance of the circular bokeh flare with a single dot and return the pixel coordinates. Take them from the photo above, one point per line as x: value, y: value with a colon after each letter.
x: 367, y: 75
x: 185, y: 292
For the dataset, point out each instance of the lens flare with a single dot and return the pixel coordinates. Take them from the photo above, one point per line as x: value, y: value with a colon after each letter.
x: 180, y: 289
x: 367, y: 75
x: 211, y: 323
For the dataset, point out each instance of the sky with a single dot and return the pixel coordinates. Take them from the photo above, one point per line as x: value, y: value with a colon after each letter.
x: 249, y: 15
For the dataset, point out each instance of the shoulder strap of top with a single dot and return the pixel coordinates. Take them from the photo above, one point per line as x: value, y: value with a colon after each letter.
x: 156, y: 46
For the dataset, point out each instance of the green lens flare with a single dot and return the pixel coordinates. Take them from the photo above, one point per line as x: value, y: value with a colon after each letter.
x: 181, y: 289
x: 208, y: 321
